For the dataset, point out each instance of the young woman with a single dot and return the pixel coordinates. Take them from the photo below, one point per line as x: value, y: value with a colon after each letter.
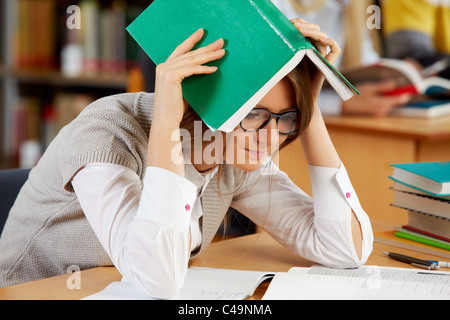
x: 119, y: 186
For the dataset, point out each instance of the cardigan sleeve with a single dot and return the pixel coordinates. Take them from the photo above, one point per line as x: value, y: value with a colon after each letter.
x: 318, y: 228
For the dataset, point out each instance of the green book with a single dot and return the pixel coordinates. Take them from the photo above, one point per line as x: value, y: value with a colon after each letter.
x: 430, y: 177
x: 262, y: 48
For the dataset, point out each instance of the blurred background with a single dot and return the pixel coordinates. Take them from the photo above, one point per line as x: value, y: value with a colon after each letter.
x: 57, y: 56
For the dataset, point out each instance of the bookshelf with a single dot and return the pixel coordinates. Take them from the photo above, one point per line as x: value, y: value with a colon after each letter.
x: 47, y: 68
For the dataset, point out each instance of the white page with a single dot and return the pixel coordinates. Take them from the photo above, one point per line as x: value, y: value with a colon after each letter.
x: 365, y: 283
x: 200, y: 284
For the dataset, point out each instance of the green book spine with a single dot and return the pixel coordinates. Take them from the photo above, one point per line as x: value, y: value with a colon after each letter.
x: 422, y: 240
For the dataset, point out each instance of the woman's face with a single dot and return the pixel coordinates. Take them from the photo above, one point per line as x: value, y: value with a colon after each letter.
x: 248, y: 150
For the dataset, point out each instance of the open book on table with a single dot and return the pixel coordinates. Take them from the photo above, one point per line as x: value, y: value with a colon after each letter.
x: 316, y: 283
x: 365, y: 283
x: 262, y: 47
x: 200, y: 284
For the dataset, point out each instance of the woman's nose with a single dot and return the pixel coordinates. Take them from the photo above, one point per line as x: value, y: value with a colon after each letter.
x: 272, y: 125
x: 269, y: 134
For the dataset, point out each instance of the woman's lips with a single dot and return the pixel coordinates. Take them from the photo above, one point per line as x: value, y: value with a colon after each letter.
x: 257, y: 154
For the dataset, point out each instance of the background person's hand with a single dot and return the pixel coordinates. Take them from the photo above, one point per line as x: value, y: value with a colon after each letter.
x: 373, y: 100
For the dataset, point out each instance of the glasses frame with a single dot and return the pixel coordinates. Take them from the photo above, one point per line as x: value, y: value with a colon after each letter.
x: 273, y: 115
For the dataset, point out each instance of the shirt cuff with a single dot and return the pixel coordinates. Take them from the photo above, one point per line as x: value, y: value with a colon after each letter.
x: 167, y: 199
x: 333, y: 193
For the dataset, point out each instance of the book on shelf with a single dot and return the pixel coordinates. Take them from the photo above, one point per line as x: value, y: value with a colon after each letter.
x: 34, y: 120
x: 431, y: 95
x: 45, y: 40
x: 35, y: 34
x: 430, y: 177
x: 262, y: 47
x: 200, y: 284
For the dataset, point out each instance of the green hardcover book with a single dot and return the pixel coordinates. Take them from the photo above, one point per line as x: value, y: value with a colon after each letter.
x: 262, y: 47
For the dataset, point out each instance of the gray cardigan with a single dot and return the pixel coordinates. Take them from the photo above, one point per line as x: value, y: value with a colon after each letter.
x: 46, y: 232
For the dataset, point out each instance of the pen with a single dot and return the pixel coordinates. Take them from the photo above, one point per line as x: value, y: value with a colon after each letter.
x: 413, y: 261
x: 443, y: 264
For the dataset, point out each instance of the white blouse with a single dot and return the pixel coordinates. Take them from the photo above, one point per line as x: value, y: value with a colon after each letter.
x: 145, y: 226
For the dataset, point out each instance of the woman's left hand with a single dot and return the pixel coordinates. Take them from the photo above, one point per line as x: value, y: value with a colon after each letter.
x: 327, y: 47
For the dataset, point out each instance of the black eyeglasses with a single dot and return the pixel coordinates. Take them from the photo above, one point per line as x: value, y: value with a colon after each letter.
x: 258, y: 118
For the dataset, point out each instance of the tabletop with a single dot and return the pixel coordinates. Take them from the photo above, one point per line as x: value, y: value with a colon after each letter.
x: 258, y: 252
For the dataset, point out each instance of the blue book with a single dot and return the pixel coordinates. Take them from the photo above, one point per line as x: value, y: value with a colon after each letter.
x: 432, y: 108
x: 430, y: 177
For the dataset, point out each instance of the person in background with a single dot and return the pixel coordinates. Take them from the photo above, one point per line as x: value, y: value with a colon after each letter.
x: 419, y: 30
x: 344, y: 20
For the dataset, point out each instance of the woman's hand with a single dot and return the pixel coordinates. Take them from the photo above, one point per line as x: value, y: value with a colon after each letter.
x: 182, y: 63
x: 317, y: 145
x: 164, y: 147
x: 327, y: 47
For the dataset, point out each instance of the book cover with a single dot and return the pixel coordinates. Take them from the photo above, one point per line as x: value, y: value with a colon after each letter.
x: 262, y: 47
x: 432, y: 177
x: 424, y: 108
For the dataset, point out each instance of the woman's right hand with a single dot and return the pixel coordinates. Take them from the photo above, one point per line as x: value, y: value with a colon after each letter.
x: 182, y: 63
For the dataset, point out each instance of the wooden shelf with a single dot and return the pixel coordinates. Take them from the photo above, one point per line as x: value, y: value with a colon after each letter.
x: 55, y: 78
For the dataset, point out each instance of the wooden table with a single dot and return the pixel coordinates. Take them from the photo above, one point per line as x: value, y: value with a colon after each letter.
x: 257, y: 252
x: 368, y: 147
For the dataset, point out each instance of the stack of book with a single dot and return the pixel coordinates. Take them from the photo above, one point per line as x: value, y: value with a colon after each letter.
x: 423, y: 189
